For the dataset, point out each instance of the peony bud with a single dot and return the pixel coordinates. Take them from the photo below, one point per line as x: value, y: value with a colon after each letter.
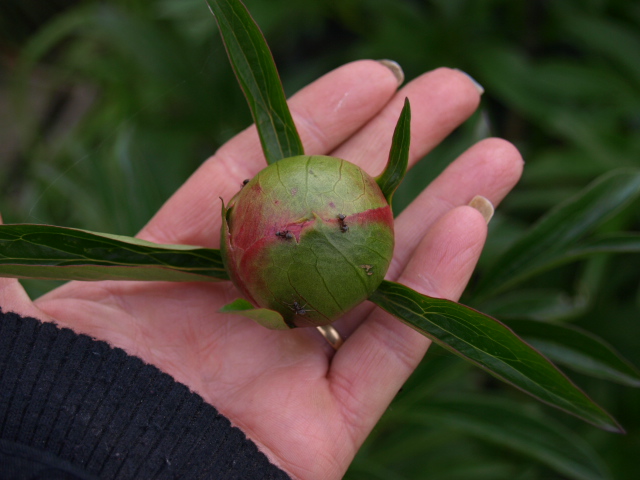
x: 310, y: 237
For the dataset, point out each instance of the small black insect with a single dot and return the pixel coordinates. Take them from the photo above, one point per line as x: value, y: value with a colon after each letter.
x: 244, y: 182
x: 284, y: 234
x: 343, y: 226
x: 299, y: 309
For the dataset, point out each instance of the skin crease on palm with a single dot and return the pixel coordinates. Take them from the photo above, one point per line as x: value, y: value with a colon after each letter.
x: 308, y: 408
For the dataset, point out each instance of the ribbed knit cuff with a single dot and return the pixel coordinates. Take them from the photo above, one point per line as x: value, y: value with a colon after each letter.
x: 98, y: 409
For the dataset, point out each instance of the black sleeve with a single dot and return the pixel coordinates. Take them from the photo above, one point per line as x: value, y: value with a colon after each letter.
x: 75, y: 408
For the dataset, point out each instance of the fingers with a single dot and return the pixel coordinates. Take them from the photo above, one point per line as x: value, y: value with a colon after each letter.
x: 326, y: 113
x: 490, y: 168
x: 380, y: 355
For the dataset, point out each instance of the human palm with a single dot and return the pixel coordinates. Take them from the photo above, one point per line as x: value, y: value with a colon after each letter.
x: 306, y: 406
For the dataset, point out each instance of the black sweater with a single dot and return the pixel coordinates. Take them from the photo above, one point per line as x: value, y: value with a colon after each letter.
x: 75, y: 408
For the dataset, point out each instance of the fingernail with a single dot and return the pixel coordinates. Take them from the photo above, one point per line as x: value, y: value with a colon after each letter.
x: 479, y: 87
x: 395, y: 68
x: 483, y: 205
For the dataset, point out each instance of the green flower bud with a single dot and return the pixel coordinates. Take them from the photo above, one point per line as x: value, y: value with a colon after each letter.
x: 310, y: 237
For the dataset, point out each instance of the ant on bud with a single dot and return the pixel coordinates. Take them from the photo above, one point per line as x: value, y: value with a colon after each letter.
x: 244, y: 182
x: 299, y: 309
x: 343, y: 226
x: 284, y: 234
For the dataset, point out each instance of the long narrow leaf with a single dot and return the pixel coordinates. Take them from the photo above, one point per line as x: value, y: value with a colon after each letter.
x: 510, y: 426
x: 253, y: 64
x: 578, y: 350
x: 556, y: 234
x: 619, y: 242
x: 492, y: 346
x: 541, y: 305
x: 396, y: 167
x: 609, y: 243
x: 58, y: 253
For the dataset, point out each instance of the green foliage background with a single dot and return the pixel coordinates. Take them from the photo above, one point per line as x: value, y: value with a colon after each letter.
x: 108, y: 106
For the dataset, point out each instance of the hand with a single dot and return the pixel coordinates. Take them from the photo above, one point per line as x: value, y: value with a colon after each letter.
x: 307, y: 407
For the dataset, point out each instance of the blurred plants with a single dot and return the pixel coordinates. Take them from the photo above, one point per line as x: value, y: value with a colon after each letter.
x: 116, y: 103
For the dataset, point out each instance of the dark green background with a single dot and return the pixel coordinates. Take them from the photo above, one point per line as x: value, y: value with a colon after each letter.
x: 106, y: 108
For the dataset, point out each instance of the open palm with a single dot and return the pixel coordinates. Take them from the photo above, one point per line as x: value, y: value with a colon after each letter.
x: 307, y: 407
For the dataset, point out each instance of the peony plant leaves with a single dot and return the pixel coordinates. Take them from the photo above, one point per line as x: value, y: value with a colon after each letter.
x: 579, y: 350
x: 258, y: 77
x: 618, y: 242
x: 508, y: 425
x: 539, y: 304
x: 492, y: 346
x: 555, y: 237
x: 391, y: 178
x: 58, y: 253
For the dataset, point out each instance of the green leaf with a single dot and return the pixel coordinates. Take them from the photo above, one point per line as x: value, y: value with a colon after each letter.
x: 396, y: 168
x: 492, y: 346
x: 553, y: 237
x: 619, y: 242
x: 551, y: 305
x: 256, y: 71
x: 58, y: 253
x: 535, y: 304
x: 614, y: 39
x: 265, y: 317
x: 578, y: 350
x: 507, y: 424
